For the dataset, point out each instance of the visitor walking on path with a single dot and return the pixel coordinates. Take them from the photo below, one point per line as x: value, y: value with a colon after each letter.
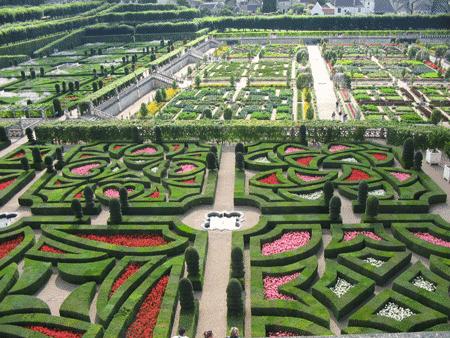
x: 208, y: 334
x: 181, y: 332
x: 234, y: 333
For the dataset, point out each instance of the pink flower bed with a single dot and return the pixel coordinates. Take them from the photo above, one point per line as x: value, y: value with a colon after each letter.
x: 309, y: 178
x: 85, y: 169
x: 281, y: 334
x: 292, y: 150
x: 272, y: 284
x: 400, y: 175
x: 338, y: 147
x: 426, y: 236
x: 114, y: 193
x: 288, y: 241
x: 349, y: 235
x: 146, y: 150
x: 186, y: 167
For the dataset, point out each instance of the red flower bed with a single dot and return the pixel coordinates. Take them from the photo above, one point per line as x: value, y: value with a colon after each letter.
x: 358, y: 175
x: 78, y: 195
x: 9, y: 245
x: 271, y: 179
x: 175, y: 147
x: 129, y: 271
x: 147, y: 316
x: 304, y: 161
x: 140, y: 240
x: 19, y: 154
x: 48, y: 248
x: 351, y: 109
x: 344, y: 94
x: 58, y: 182
x: 434, y: 66
x: 379, y: 156
x: 191, y: 181
x: 117, y: 147
x: 85, y: 156
x: 6, y: 184
x: 154, y: 194
x: 55, y: 333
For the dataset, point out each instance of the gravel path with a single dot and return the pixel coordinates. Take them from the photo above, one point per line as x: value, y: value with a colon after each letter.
x: 326, y: 98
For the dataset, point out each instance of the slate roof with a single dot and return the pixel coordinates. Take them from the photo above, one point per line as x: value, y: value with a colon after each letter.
x: 348, y: 3
x: 383, y: 6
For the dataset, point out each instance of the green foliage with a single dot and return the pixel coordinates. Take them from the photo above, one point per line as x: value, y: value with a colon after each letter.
x: 372, y: 206
x: 408, y: 153
x: 303, y: 139
x: 328, y: 191
x: 240, y: 161
x: 192, y: 261
x: 227, y: 114
x: 211, y: 161
x: 115, y: 211
x: 304, y: 80
x: 237, y: 262
x: 436, y: 116
x: 48, y: 160
x: 418, y: 158
x: 123, y: 198
x: 89, y: 197
x: 143, y: 110
x: 363, y: 191
x: 30, y: 135
x: 335, y: 208
x: 25, y: 163
x: 239, y: 148
x: 186, y: 294
x: 76, y: 208
x: 436, y: 139
x: 234, y: 298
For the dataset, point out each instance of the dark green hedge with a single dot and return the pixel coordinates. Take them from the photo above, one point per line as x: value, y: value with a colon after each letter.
x: 78, y: 303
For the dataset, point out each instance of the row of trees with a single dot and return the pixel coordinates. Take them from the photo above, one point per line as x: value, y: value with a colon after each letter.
x: 149, y: 15
x: 17, y: 14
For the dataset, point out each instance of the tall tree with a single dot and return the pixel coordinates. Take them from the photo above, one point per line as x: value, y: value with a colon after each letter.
x: 269, y: 6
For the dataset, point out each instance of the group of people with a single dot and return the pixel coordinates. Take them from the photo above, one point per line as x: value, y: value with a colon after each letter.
x: 234, y: 333
x: 342, y: 116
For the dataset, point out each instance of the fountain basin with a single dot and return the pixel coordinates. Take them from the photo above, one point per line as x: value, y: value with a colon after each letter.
x: 7, y: 218
x: 225, y: 220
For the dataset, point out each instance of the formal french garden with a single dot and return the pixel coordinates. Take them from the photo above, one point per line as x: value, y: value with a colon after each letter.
x: 162, y: 169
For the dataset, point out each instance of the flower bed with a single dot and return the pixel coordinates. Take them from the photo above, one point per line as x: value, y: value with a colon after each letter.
x: 55, y: 333
x: 378, y: 263
x: 6, y: 184
x: 304, y: 161
x: 273, y: 283
x: 290, y: 150
x: 338, y: 147
x: 186, y: 167
x: 147, y: 316
x: 395, y: 311
x: 426, y: 236
x: 288, y: 241
x: 154, y: 195
x: 7, y: 246
x: 85, y: 169
x: 309, y: 178
x: 50, y: 249
x: 141, y: 240
x: 114, y: 193
x: 422, y: 283
x: 341, y: 287
x: 400, y: 175
x: 379, y: 156
x: 271, y: 179
x: 129, y: 271
x: 144, y: 151
x: 349, y: 235
x: 281, y: 333
x: 358, y: 175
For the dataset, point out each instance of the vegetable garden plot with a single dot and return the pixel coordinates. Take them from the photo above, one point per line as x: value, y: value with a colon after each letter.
x: 159, y: 179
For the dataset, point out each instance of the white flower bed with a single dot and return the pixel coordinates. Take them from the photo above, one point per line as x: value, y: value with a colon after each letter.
x: 374, y: 262
x: 395, y: 311
x: 422, y: 283
x: 262, y: 160
x: 341, y: 287
x: 311, y: 196
x: 377, y: 192
x: 154, y: 169
x: 4, y: 80
x: 350, y: 160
